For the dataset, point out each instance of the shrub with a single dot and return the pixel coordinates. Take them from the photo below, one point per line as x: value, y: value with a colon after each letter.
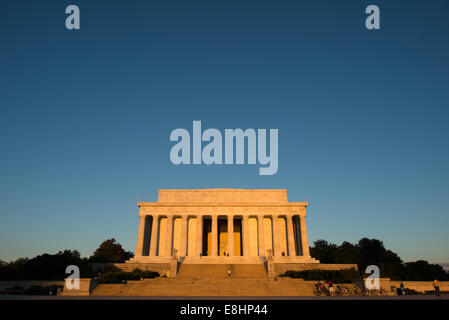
x: 111, y: 268
x: 411, y: 292
x: 37, y: 291
x: 15, y: 288
x: 337, y: 276
x: 119, y: 276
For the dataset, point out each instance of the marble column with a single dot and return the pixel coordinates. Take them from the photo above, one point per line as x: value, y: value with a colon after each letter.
x: 140, y: 237
x: 154, y: 236
x: 199, y: 235
x: 169, y: 238
x: 261, y: 234
x: 214, y: 235
x: 245, y: 235
x: 290, y: 236
x: 231, y: 235
x: 276, y: 240
x: 183, y: 248
x: 304, y: 240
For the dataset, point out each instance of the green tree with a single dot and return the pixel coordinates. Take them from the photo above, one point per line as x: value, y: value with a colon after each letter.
x: 323, y: 251
x: 109, y: 252
x: 373, y: 252
x: 347, y: 253
x: 423, y: 271
x: 44, y: 267
x: 366, y: 252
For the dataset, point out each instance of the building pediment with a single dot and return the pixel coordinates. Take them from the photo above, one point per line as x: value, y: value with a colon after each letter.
x: 214, y: 197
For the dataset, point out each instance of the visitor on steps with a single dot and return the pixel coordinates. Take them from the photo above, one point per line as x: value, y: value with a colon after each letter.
x: 401, y: 288
x: 331, y: 287
x: 436, y: 285
x: 229, y: 273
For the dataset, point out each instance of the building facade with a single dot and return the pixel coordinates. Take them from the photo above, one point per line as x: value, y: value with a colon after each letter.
x: 228, y: 225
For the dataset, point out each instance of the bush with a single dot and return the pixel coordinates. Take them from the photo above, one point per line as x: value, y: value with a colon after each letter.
x: 411, y: 292
x: 119, y: 276
x: 15, y: 288
x: 336, y: 276
x: 37, y: 291
x: 111, y: 268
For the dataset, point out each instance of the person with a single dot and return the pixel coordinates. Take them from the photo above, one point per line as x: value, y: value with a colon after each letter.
x: 229, y: 273
x: 401, y: 288
x: 331, y: 287
x: 436, y: 285
x: 320, y: 288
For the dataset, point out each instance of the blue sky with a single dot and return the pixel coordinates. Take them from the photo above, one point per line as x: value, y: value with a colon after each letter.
x: 86, y: 115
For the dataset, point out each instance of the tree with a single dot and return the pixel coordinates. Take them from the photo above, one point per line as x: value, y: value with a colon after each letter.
x: 373, y: 252
x: 348, y: 253
x: 366, y: 252
x: 323, y: 251
x: 44, y: 267
x: 422, y: 270
x: 110, y: 252
x: 52, y: 266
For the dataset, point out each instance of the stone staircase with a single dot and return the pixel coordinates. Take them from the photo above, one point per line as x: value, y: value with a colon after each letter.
x: 198, y: 278
x: 221, y: 270
x: 204, y: 286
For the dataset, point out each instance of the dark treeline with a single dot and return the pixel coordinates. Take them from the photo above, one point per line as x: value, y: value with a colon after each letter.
x: 53, y: 266
x: 365, y: 252
x: 372, y: 252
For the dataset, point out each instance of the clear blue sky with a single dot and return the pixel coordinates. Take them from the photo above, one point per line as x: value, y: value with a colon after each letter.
x: 85, y: 116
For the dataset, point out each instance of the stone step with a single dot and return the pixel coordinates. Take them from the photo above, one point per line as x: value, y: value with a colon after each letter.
x: 221, y: 270
x: 208, y: 287
x: 223, y: 260
x: 157, y: 267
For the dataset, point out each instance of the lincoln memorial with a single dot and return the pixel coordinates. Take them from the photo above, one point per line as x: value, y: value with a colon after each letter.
x: 222, y: 226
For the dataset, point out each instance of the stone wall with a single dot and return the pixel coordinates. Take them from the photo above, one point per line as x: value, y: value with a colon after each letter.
x: 421, y: 286
x: 86, y: 286
x: 29, y: 283
x: 223, y: 196
x: 384, y: 283
x: 280, y: 268
x: 161, y: 268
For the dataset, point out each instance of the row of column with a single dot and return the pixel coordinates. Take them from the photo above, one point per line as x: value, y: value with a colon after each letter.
x: 303, y: 241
